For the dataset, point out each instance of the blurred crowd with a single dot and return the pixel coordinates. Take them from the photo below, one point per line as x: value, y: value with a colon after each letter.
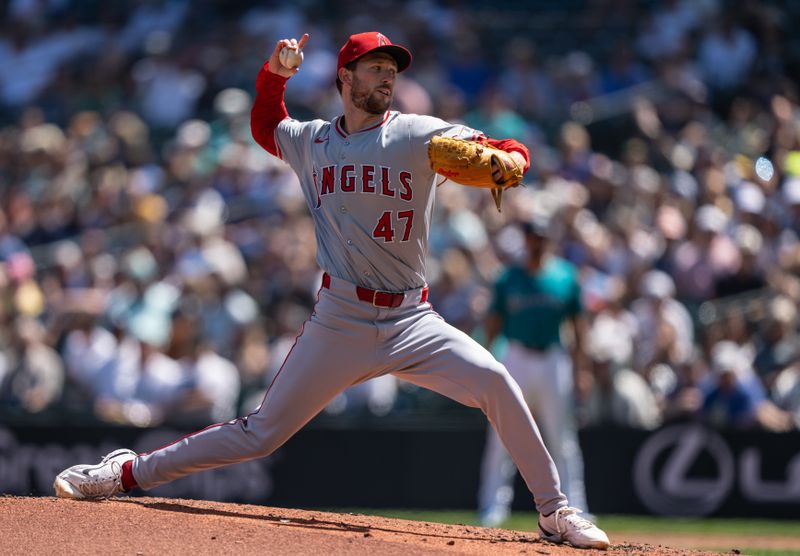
x: 156, y: 264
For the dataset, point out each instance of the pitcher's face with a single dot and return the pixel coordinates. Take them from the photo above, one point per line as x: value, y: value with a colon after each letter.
x: 372, y: 84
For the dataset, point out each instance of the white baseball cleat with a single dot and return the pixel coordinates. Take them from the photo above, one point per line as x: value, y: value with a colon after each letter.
x: 565, y: 525
x: 94, y: 481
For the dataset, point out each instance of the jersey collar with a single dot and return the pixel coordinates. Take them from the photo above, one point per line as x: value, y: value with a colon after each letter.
x: 340, y: 128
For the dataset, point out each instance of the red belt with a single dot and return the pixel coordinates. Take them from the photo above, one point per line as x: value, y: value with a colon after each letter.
x: 378, y: 298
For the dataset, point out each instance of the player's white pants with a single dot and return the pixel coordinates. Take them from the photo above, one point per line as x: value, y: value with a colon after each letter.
x: 345, y: 342
x: 547, y: 383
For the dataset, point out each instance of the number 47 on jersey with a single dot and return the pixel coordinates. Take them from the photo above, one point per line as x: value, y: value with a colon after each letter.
x: 385, y: 229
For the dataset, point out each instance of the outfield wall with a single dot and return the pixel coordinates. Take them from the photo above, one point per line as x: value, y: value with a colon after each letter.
x: 682, y: 469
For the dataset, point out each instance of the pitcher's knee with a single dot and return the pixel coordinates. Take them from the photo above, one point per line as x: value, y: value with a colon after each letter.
x: 258, y: 439
x: 256, y: 447
x: 499, y: 385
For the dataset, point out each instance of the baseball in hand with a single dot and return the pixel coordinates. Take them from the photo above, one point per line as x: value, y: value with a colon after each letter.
x: 291, y: 57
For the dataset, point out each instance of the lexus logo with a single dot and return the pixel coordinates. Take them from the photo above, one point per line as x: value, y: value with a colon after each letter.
x: 663, y: 465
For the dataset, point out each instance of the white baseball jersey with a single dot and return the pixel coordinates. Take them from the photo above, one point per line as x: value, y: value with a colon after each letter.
x: 370, y: 194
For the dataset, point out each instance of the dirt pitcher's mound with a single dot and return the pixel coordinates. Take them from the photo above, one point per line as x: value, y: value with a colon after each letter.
x: 174, y: 526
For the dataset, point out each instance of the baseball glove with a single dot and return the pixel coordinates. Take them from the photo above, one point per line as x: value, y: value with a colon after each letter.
x: 470, y: 163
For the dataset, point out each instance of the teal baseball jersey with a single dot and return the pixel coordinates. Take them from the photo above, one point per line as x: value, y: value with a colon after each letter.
x: 533, y: 306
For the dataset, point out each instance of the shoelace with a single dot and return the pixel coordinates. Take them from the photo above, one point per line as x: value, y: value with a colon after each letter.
x: 570, y: 515
x: 98, y: 486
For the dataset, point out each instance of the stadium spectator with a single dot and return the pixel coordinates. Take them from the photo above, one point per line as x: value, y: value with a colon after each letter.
x: 31, y: 373
x: 128, y: 177
x: 748, y: 276
x: 664, y: 328
x: 619, y: 396
x: 726, y: 54
x: 733, y: 396
x: 779, y: 342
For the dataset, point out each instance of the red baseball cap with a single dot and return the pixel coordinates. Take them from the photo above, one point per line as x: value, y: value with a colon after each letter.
x: 363, y: 43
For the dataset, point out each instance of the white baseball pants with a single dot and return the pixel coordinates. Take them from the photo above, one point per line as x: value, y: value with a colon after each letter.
x: 345, y: 342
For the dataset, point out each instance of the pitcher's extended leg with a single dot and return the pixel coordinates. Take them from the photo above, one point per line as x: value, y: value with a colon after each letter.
x: 314, y: 372
x: 432, y: 354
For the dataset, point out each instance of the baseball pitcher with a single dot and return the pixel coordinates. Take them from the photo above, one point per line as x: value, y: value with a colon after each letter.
x: 369, y: 178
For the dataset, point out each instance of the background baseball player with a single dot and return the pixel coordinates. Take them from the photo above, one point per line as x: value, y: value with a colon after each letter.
x: 543, y: 289
x: 369, y: 184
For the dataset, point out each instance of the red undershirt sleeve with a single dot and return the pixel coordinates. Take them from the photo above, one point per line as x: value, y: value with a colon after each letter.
x: 269, y: 109
x: 509, y: 145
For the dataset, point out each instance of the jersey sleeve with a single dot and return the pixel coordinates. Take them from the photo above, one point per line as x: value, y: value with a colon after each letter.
x: 425, y: 127
x: 271, y: 126
x: 268, y: 109
x: 293, y: 141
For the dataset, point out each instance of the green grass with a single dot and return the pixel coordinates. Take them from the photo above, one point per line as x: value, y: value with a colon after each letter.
x: 523, y: 521
x: 620, y: 524
x: 749, y: 527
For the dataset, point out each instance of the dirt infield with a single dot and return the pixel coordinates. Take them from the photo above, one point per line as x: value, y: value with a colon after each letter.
x: 144, y: 526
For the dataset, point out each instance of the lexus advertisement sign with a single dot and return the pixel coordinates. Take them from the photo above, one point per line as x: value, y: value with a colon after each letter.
x: 679, y: 470
x: 691, y: 470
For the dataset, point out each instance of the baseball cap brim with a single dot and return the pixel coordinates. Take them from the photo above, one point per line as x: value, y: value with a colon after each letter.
x: 400, y: 55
